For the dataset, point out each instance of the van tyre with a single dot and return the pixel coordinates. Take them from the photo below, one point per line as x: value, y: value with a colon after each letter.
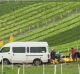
x: 37, y: 62
x: 5, y: 61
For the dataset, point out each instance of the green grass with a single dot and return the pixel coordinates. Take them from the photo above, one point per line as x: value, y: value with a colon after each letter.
x: 50, y: 29
x: 8, y: 7
x: 55, y: 22
x: 57, y: 29
x: 49, y: 69
x: 32, y: 22
x: 16, y: 24
x: 22, y: 22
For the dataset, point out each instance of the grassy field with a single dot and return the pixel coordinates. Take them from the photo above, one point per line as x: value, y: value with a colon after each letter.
x: 48, y: 69
x: 58, y: 23
x: 8, y: 7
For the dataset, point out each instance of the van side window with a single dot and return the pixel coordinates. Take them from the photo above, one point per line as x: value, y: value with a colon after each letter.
x: 27, y: 49
x: 38, y: 49
x: 5, y: 49
x: 18, y: 49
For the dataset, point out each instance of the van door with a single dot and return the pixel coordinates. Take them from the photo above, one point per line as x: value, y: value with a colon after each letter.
x: 19, y: 55
x: 37, y: 53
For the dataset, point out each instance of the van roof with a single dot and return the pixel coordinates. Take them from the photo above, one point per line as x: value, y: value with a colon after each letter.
x: 26, y: 44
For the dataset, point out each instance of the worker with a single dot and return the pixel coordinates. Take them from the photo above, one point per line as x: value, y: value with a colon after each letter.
x: 72, y: 52
x: 53, y: 54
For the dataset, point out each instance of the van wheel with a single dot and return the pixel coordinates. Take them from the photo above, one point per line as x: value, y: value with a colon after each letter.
x: 37, y: 62
x: 5, y: 61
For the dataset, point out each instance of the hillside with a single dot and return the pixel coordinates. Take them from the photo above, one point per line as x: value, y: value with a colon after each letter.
x: 58, y: 23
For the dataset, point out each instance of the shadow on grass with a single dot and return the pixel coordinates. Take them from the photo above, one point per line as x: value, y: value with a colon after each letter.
x: 64, y: 37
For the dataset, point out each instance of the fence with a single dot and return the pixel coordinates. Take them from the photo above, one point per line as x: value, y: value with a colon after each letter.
x: 70, y: 68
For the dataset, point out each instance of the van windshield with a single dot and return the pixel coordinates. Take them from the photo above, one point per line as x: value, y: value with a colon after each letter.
x: 5, y: 49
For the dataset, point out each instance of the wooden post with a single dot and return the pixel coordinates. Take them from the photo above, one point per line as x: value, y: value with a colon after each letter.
x: 54, y: 69
x: 2, y: 64
x: 18, y: 69
x: 23, y: 69
x: 43, y: 69
x: 61, y: 68
x: 78, y: 68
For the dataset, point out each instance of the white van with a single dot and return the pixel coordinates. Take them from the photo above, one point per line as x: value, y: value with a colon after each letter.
x: 25, y: 52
